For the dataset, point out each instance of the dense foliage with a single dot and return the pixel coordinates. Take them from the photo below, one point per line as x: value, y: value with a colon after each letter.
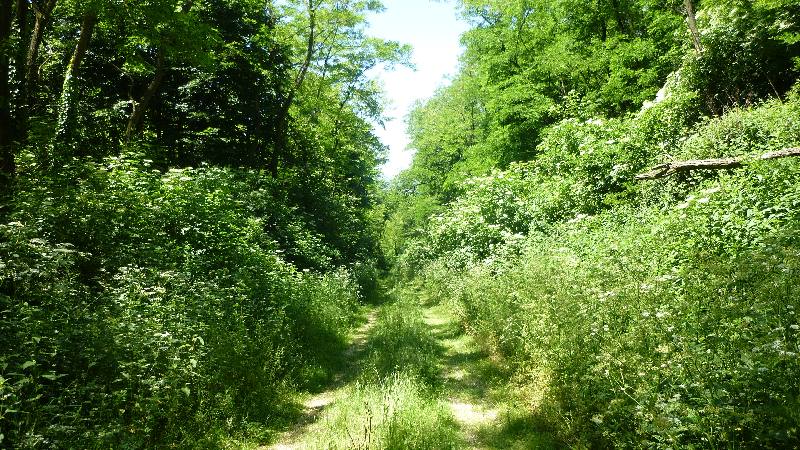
x: 186, y: 213
x: 637, y: 314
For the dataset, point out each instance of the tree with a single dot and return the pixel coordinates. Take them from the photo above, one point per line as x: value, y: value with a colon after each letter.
x: 7, y: 166
x: 328, y: 41
x: 168, y: 33
x: 65, y: 134
x: 691, y: 19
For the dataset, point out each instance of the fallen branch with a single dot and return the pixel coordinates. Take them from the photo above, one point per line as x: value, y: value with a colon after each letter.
x: 667, y: 169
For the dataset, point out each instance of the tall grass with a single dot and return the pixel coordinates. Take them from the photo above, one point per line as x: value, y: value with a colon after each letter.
x: 397, y: 412
x: 394, y: 403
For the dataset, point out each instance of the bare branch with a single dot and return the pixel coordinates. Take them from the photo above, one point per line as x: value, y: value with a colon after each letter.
x: 667, y: 169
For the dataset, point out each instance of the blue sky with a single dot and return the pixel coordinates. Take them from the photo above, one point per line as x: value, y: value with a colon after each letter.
x: 433, y: 29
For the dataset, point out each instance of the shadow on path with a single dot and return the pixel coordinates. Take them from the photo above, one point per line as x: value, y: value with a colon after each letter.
x: 476, y: 387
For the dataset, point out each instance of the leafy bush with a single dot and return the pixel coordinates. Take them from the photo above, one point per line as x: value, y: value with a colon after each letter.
x: 140, y: 307
x: 656, y: 315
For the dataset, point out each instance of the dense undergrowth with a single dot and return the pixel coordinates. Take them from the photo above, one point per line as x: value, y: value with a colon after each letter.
x: 659, y: 314
x: 186, y: 215
x: 143, y: 308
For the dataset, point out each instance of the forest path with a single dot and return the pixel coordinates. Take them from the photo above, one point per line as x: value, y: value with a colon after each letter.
x: 314, y: 406
x: 473, y: 385
x: 462, y: 366
x: 476, y: 388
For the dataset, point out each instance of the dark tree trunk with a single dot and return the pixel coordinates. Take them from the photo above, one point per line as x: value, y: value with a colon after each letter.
x: 603, y: 31
x: 43, y: 16
x: 23, y: 28
x: 69, y: 94
x: 140, y: 108
x: 7, y: 165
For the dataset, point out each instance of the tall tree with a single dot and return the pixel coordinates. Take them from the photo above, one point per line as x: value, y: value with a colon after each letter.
x: 331, y: 48
x: 691, y: 19
x: 65, y: 133
x: 168, y: 31
x: 43, y: 12
x: 7, y: 166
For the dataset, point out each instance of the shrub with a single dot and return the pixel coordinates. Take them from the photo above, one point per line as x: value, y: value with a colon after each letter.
x: 143, y: 309
x: 663, y: 319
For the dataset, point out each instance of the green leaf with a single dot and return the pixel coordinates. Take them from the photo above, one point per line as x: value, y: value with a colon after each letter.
x: 27, y: 364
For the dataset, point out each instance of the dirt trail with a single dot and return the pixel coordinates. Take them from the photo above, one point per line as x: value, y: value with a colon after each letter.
x: 316, y: 404
x: 463, y: 367
x: 474, y: 385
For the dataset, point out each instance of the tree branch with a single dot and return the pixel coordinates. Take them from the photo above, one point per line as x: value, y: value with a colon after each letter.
x: 667, y: 169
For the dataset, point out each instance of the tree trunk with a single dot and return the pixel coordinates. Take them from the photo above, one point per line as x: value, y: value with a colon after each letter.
x: 23, y: 28
x: 69, y: 94
x: 667, y: 169
x: 691, y: 18
x: 43, y: 16
x: 7, y: 165
x: 603, y: 30
x: 139, y: 108
x: 282, y: 121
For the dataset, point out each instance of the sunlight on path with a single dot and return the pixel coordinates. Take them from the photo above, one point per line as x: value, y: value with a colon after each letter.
x: 473, y: 385
x: 466, y: 390
x: 315, y: 405
x: 471, y: 414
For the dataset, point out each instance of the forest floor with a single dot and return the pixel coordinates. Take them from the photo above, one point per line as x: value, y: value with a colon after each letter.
x: 474, y: 387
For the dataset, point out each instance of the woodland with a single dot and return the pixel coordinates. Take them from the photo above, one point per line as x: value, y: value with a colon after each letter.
x: 597, y: 244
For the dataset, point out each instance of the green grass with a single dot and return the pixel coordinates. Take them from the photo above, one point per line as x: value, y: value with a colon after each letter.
x: 393, y: 404
x: 398, y: 412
